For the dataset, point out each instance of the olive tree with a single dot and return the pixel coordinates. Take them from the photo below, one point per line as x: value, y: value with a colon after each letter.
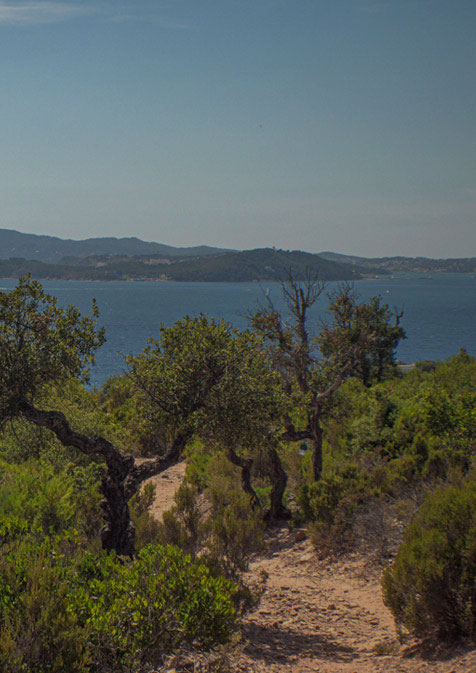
x: 42, y: 344
x: 366, y: 332
x: 200, y: 377
x: 358, y: 338
x: 204, y: 379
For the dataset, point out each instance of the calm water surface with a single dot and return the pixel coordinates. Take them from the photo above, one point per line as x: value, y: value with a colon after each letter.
x: 439, y: 312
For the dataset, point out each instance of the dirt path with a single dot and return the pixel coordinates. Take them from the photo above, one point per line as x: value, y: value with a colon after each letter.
x: 166, y: 484
x: 330, y: 618
x: 319, y: 617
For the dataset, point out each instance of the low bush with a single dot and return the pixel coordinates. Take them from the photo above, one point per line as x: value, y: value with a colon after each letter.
x: 38, y: 631
x: 330, y: 505
x: 49, y: 501
x: 431, y: 587
x: 66, y: 609
x: 138, y: 611
x: 220, y: 526
x: 145, y: 525
x: 184, y: 524
x: 234, y: 531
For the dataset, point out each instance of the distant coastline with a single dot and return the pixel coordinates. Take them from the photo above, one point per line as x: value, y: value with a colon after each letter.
x: 130, y: 259
x: 262, y: 265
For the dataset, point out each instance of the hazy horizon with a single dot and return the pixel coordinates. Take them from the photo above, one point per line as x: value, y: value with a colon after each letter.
x: 332, y: 125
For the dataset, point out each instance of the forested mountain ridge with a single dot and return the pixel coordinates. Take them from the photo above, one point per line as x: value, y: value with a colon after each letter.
x: 111, y: 251
x: 250, y: 265
x: 52, y: 249
x: 260, y: 264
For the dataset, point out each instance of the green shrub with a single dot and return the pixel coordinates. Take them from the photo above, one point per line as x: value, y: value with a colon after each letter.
x: 223, y: 529
x: 38, y: 631
x: 198, y: 464
x: 431, y: 587
x: 138, y: 611
x: 66, y: 609
x: 184, y: 524
x: 49, y: 501
x: 145, y: 525
x: 426, y: 365
x: 320, y: 500
x: 330, y: 505
x: 235, y: 534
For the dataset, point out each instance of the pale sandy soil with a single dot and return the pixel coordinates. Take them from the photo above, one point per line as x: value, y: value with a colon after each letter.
x: 319, y: 617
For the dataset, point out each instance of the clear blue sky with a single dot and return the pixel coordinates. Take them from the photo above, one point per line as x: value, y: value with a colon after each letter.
x: 344, y: 125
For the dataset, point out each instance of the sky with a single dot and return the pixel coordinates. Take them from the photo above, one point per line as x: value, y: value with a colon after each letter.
x: 339, y: 125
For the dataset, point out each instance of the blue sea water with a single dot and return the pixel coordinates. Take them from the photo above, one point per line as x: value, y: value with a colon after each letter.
x: 439, y: 311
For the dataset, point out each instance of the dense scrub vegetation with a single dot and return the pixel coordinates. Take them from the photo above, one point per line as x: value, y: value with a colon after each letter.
x: 337, y: 440
x: 264, y: 264
x: 64, y: 603
x: 431, y: 586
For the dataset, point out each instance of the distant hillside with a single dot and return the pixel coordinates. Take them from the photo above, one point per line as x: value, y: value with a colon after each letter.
x: 51, y: 249
x: 262, y: 264
x: 410, y: 264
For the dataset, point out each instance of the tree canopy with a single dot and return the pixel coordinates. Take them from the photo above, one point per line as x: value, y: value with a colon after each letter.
x: 358, y: 341
x: 200, y: 378
x: 205, y: 379
x: 41, y: 343
x: 364, y: 333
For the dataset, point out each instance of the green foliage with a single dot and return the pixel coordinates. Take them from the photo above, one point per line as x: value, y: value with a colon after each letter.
x: 426, y: 365
x: 325, y: 495
x: 35, y: 498
x: 138, y: 611
x: 366, y: 334
x: 38, y: 631
x: 40, y: 344
x: 219, y: 526
x: 206, y: 379
x: 235, y: 531
x: 63, y: 609
x: 173, y: 376
x: 85, y: 414
x: 145, y: 525
x: 184, y: 524
x: 119, y: 402
x: 421, y: 426
x: 20, y: 440
x: 199, y: 455
x: 330, y: 505
x: 385, y: 445
x: 431, y: 586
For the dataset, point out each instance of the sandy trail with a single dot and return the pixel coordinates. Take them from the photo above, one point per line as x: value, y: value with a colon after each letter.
x: 319, y: 617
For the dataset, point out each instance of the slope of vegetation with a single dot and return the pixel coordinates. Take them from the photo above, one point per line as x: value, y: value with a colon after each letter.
x: 408, y: 264
x: 250, y: 265
x: 51, y: 249
x: 335, y: 439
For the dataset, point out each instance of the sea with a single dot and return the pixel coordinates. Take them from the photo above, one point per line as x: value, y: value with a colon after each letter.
x: 439, y: 311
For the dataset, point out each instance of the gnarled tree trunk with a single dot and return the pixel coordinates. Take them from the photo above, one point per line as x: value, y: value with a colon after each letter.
x: 245, y: 465
x: 118, y: 533
x: 317, y: 439
x: 121, y: 481
x: 279, y: 480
